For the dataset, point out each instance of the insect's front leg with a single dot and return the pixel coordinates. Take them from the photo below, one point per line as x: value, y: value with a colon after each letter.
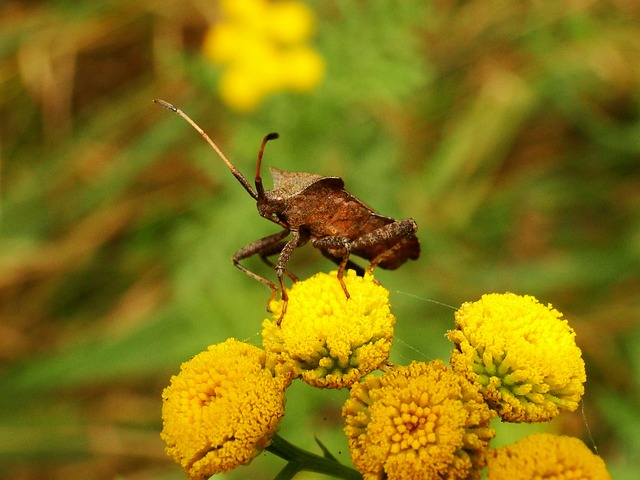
x: 275, y: 250
x: 281, y: 266
x: 260, y: 247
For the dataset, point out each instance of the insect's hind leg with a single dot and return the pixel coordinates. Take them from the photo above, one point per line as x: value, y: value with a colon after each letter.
x: 398, y: 232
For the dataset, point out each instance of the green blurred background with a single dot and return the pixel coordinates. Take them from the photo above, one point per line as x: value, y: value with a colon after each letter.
x: 509, y: 130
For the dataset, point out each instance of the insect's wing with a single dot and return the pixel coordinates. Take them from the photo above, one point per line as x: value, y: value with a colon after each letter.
x: 294, y: 183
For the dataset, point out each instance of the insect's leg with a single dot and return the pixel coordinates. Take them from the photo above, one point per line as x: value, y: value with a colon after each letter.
x: 275, y: 249
x: 339, y: 246
x: 351, y: 265
x: 399, y: 232
x: 281, y: 266
x: 264, y: 244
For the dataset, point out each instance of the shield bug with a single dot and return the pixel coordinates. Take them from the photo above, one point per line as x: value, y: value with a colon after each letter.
x: 317, y: 209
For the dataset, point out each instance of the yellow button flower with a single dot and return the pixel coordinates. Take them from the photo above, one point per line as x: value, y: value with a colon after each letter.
x: 222, y: 409
x: 542, y: 455
x: 330, y: 340
x: 262, y: 48
x: 522, y: 353
x: 422, y: 421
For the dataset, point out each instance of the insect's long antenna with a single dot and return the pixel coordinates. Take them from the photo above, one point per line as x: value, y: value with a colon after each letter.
x: 236, y: 173
x: 259, y: 187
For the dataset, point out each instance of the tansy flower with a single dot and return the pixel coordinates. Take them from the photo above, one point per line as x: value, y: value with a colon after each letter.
x: 543, y: 455
x: 262, y: 48
x: 222, y: 409
x: 330, y: 340
x: 522, y: 353
x: 422, y: 421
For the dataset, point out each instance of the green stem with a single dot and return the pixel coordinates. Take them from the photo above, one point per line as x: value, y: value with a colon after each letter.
x: 302, y: 460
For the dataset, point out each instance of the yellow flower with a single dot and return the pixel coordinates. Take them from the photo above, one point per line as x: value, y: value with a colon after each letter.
x: 330, y: 340
x: 222, y: 409
x: 241, y: 88
x: 422, y: 421
x: 262, y: 49
x: 304, y: 68
x: 290, y: 22
x: 543, y: 455
x: 250, y: 11
x: 522, y: 353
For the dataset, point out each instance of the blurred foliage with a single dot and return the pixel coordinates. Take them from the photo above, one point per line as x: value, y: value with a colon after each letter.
x: 509, y: 130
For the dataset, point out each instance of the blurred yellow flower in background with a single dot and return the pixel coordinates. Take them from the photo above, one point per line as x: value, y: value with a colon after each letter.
x: 543, y: 455
x: 222, y: 409
x: 262, y: 48
x: 522, y: 353
x: 419, y: 421
x: 332, y: 340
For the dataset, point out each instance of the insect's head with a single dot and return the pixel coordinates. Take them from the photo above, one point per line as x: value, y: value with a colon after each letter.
x: 272, y: 205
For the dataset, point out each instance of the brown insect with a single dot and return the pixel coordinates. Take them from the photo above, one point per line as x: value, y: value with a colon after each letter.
x: 314, y: 208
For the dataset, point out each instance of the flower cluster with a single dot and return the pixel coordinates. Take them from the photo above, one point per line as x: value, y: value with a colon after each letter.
x: 522, y: 353
x: 513, y: 357
x: 262, y: 48
x: 418, y: 421
x: 332, y: 341
x: 543, y: 455
x: 222, y: 409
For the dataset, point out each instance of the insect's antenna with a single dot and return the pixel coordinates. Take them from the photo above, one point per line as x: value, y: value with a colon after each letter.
x: 236, y: 173
x: 259, y: 187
